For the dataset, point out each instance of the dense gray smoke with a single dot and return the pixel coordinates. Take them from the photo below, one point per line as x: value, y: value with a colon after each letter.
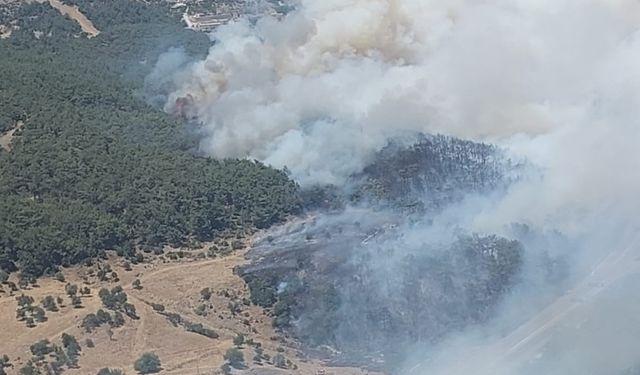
x: 552, y: 82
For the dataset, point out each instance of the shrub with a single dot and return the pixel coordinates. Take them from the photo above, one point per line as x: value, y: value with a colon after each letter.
x: 114, y: 299
x: 235, y: 358
x: 279, y: 361
x: 201, y: 310
x: 147, y: 364
x: 130, y: 311
x: 71, y: 289
x: 30, y: 369
x: 201, y: 330
x: 206, y: 294
x: 76, y: 302
x: 238, y: 340
x: 109, y: 371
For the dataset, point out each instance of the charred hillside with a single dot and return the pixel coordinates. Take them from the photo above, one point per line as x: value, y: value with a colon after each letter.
x: 357, y: 283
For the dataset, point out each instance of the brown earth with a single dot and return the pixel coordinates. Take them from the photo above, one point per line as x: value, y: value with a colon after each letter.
x: 74, y: 13
x: 176, y: 285
x: 6, y: 139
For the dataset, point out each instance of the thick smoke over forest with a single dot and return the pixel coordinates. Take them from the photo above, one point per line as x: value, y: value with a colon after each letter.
x: 553, y: 84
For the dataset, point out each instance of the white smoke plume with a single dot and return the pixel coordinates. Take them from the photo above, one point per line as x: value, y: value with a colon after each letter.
x: 553, y: 81
x: 323, y: 89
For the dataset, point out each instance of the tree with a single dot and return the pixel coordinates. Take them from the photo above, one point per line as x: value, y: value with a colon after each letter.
x: 24, y: 300
x: 76, y: 301
x: 4, y: 276
x: 130, y: 311
x: 38, y: 314
x: 60, y: 359
x: 41, y: 348
x: 147, y: 364
x: 235, y: 358
x: 71, y: 344
x: 137, y: 284
x: 30, y: 369
x: 90, y: 322
x: 71, y: 289
x: 49, y: 304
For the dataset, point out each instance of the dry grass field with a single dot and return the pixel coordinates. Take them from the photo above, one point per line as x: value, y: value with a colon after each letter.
x: 176, y: 284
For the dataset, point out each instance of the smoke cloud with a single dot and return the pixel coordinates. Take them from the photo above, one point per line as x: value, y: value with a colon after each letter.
x: 554, y: 82
x: 325, y: 88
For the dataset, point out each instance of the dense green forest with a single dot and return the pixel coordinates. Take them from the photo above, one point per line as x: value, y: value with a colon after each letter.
x: 95, y: 167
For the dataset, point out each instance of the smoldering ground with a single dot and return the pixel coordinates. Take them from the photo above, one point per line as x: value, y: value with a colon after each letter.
x: 323, y: 90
